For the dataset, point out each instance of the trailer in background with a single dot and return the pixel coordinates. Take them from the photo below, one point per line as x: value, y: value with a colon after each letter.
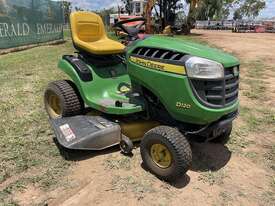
x: 270, y: 26
x: 215, y: 25
x: 244, y: 26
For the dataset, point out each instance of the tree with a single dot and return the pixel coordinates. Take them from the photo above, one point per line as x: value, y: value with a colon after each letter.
x: 78, y: 8
x: 250, y: 8
x: 205, y: 9
x: 214, y: 9
x: 220, y: 9
x: 67, y: 9
x: 237, y: 15
x: 194, y: 9
x: 127, y: 6
x: 166, y: 11
x: 106, y: 12
x: 209, y: 9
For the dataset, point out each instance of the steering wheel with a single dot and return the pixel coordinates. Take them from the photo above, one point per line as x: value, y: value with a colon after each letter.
x: 131, y: 31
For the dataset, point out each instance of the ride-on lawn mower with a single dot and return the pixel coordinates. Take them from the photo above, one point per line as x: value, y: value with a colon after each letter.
x: 160, y: 90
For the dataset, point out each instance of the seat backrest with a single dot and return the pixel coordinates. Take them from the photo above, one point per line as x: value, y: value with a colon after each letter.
x: 86, y: 26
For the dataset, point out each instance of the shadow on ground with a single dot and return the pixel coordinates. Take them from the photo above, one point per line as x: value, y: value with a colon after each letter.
x: 209, y: 156
x: 206, y: 156
x: 191, y: 34
x: 79, y: 155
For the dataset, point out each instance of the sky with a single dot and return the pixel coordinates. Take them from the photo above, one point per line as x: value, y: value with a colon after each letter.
x: 268, y: 12
x: 95, y: 4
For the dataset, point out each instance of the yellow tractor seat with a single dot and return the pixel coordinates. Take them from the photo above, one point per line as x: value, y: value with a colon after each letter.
x: 88, y: 34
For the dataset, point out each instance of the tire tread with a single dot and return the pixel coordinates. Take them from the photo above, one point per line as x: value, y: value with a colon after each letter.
x: 73, y: 104
x: 180, y: 145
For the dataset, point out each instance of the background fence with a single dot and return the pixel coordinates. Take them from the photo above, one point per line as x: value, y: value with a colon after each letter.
x: 24, y: 22
x: 259, y: 26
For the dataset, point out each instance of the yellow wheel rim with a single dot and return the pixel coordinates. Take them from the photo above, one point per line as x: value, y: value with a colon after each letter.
x: 53, y: 105
x: 161, y: 155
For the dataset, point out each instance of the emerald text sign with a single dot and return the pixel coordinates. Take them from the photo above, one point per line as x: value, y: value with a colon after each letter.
x: 24, y: 22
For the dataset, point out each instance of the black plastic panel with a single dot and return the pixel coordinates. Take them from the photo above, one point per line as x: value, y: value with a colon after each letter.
x: 80, y: 67
x: 161, y: 55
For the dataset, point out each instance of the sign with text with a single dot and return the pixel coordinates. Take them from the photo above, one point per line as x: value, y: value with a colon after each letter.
x: 24, y: 22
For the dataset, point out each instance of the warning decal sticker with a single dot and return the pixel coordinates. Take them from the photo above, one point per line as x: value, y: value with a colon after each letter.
x: 67, y: 132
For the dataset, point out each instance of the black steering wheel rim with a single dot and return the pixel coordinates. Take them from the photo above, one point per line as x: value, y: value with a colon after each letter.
x: 120, y: 25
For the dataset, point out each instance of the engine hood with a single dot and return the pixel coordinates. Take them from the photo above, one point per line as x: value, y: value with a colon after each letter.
x: 188, y: 47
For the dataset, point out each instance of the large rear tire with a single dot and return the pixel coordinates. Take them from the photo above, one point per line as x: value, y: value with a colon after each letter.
x: 166, y: 153
x: 62, y: 99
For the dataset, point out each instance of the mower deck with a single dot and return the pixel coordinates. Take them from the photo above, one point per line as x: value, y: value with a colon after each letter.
x: 86, y: 132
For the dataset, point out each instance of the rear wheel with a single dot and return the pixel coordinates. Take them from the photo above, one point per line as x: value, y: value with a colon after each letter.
x: 62, y: 99
x: 166, y: 153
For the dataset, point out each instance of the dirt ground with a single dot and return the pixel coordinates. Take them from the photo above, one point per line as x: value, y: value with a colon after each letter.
x: 242, y: 172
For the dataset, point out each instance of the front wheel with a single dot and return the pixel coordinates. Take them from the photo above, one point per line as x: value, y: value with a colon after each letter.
x: 166, y: 153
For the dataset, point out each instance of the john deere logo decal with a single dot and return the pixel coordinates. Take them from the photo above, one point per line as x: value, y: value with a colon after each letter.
x: 147, y: 63
x: 178, y: 69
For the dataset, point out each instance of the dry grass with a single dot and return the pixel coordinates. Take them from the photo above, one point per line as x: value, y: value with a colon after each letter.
x: 26, y: 139
x: 28, y: 155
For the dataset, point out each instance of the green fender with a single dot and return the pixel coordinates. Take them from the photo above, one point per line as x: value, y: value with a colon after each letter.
x: 66, y: 67
x: 101, y: 92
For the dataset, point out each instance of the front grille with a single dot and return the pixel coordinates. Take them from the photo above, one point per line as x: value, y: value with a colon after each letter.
x: 217, y: 93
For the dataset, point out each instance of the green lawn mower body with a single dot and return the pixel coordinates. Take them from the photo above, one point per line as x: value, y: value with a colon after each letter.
x: 108, y: 88
x: 161, y: 90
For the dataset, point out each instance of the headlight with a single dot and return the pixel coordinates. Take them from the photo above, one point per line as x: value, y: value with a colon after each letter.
x: 197, y: 67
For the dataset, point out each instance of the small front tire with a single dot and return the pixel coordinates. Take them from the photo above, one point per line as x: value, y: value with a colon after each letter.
x: 126, y: 145
x: 166, y: 153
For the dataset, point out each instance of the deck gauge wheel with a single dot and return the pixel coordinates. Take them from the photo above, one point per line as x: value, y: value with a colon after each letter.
x: 126, y: 145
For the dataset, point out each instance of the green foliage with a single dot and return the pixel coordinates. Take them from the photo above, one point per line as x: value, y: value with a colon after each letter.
x: 67, y: 9
x: 250, y: 8
x: 237, y: 15
x: 220, y: 9
x: 106, y: 12
x: 166, y: 11
x: 246, y: 8
x: 209, y: 9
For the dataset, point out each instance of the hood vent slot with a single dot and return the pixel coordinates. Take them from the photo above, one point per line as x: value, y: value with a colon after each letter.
x: 161, y: 55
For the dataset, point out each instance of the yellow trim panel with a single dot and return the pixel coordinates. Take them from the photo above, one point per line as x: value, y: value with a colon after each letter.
x: 177, y: 69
